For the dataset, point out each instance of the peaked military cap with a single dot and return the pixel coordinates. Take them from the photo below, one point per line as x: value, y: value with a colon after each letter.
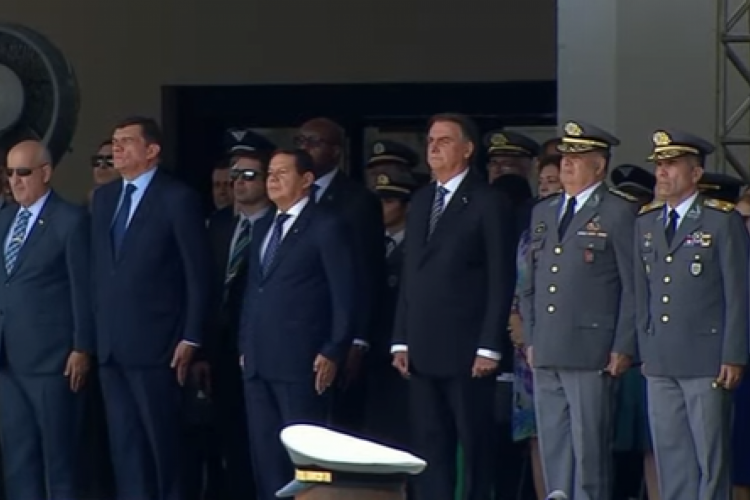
x: 508, y: 143
x: 323, y: 457
x: 392, y: 151
x: 245, y: 139
x: 634, y: 180
x: 721, y: 186
x: 670, y: 143
x: 395, y: 185
x: 581, y: 137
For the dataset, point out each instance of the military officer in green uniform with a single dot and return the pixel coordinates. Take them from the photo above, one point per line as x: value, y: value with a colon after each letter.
x: 691, y: 282
x: 578, y: 314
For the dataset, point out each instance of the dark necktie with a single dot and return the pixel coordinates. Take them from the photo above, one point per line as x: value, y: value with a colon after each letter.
x: 671, y: 226
x: 120, y: 225
x: 438, y: 207
x: 238, y: 251
x: 570, y: 211
x: 277, y: 234
x: 390, y: 244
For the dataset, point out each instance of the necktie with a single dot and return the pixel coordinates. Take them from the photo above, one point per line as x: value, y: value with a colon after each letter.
x: 438, y: 206
x: 17, y: 238
x: 120, y: 225
x: 671, y: 226
x: 390, y: 244
x: 274, y: 242
x: 570, y: 211
x: 238, y: 251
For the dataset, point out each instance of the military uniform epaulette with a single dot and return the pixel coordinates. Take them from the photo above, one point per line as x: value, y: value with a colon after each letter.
x: 654, y: 205
x: 723, y: 206
x: 622, y: 194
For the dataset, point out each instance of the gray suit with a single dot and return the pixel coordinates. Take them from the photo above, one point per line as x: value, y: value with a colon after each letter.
x: 577, y: 307
x: 686, y: 331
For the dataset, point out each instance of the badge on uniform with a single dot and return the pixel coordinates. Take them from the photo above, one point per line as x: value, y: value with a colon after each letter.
x: 696, y: 267
x: 593, y: 225
x: 540, y: 228
x: 588, y: 256
x: 647, y: 240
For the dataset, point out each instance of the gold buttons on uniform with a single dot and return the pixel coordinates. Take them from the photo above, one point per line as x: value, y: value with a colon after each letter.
x: 665, y: 299
x: 665, y: 319
x: 667, y: 279
x: 558, y: 250
x: 668, y: 258
x: 552, y: 289
x: 550, y: 308
x: 554, y: 269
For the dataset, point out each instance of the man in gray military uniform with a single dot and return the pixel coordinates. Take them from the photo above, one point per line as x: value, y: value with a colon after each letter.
x: 578, y: 313
x: 691, y: 287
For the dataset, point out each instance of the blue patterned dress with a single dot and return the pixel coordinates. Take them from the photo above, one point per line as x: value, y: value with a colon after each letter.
x: 524, y: 419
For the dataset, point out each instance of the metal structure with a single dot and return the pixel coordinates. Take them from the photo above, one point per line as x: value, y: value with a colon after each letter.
x: 733, y: 89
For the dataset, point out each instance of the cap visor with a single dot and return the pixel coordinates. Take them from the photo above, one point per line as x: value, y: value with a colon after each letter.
x: 292, y: 489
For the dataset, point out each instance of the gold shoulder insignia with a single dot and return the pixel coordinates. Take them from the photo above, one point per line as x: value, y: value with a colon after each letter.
x: 723, y: 206
x: 650, y: 207
x: 623, y: 195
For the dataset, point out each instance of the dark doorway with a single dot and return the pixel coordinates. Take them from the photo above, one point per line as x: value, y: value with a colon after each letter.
x: 195, y: 117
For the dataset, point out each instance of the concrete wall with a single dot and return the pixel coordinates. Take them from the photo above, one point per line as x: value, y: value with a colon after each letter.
x: 124, y: 52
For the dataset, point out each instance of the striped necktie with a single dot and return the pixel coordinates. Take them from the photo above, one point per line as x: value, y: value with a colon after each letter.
x: 438, y: 206
x: 238, y: 250
x: 274, y: 242
x: 17, y: 238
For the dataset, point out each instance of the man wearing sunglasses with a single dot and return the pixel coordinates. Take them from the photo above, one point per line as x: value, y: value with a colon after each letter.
x: 103, y: 167
x: 46, y: 330
x: 231, y: 230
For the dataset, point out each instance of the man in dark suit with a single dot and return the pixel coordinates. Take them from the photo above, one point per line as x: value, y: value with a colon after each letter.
x: 457, y: 288
x: 297, y: 315
x: 360, y: 209
x: 230, y: 232
x: 46, y: 330
x: 152, y: 284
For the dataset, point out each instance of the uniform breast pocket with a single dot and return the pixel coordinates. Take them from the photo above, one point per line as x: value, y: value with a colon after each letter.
x: 536, y: 245
x: 592, y: 247
x: 697, y: 260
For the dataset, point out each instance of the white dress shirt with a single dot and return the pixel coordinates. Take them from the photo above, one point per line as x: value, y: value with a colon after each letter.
x: 581, y: 199
x: 452, y: 186
x: 141, y: 183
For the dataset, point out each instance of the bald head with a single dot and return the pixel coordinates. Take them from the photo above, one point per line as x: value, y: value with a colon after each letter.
x: 324, y: 139
x: 29, y: 170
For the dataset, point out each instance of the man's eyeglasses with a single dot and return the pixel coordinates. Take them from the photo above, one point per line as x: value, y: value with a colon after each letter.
x: 245, y: 175
x: 102, y: 161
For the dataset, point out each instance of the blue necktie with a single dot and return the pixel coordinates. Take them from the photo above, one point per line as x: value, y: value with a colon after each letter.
x: 438, y: 206
x: 274, y: 242
x: 120, y: 225
x: 17, y: 237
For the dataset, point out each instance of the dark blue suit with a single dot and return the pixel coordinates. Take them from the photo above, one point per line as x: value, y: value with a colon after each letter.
x: 149, y: 297
x: 45, y: 313
x: 301, y: 307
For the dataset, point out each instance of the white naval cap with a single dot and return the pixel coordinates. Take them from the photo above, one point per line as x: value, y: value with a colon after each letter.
x: 325, y: 457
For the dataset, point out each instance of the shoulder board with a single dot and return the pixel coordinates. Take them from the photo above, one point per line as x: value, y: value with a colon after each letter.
x: 548, y: 197
x: 722, y: 206
x: 650, y: 207
x: 623, y: 195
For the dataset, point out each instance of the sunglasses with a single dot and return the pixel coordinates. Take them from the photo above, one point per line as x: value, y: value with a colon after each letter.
x: 20, y: 172
x: 102, y: 161
x: 245, y: 175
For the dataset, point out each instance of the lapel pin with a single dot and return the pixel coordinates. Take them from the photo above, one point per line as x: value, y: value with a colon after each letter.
x: 40, y: 221
x: 465, y: 200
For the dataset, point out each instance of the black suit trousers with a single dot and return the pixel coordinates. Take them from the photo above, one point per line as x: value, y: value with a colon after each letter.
x: 40, y: 428
x: 444, y: 412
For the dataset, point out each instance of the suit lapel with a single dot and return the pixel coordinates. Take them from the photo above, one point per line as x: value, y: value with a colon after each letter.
x: 7, y: 215
x: 291, y: 237
x: 587, y: 212
x: 659, y: 234
x: 331, y: 194
x: 37, y: 231
x: 255, y: 248
x: 691, y: 223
